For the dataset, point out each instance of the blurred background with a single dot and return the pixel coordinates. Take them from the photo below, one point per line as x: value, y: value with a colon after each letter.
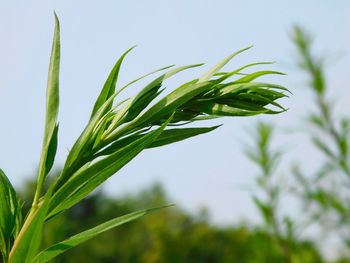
x: 259, y: 189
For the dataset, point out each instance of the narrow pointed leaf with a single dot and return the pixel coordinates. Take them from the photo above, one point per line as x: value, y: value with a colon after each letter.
x: 226, y: 75
x: 225, y: 110
x: 123, y: 111
x: 323, y: 147
x: 168, y: 104
x: 260, y: 100
x: 220, y: 65
x: 142, y: 103
x: 176, y: 135
x: 83, y: 140
x: 10, y: 214
x: 205, y: 118
x: 249, y: 86
x: 52, y: 150
x: 85, y: 181
x: 52, y: 105
x: 61, y: 247
x: 258, y: 74
x: 146, y: 75
x: 244, y: 105
x: 166, y: 137
x: 109, y: 87
x: 154, y: 85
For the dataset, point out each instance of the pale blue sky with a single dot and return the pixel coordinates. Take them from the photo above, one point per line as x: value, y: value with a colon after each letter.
x: 94, y: 33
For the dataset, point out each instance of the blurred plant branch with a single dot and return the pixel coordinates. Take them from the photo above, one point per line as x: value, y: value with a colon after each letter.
x: 324, y: 194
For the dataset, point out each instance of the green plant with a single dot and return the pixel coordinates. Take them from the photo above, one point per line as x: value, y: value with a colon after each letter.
x: 323, y: 194
x: 269, y: 202
x: 267, y: 159
x: 114, y: 135
x: 326, y: 191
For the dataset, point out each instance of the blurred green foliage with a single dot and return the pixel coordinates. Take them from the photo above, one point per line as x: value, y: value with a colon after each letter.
x: 320, y: 193
x: 325, y: 191
x: 269, y: 200
x: 169, y: 235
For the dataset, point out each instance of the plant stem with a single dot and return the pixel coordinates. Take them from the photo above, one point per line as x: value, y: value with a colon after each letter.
x: 31, y: 215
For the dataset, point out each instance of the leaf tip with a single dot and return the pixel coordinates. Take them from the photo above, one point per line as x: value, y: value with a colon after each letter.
x: 217, y: 126
x: 57, y: 21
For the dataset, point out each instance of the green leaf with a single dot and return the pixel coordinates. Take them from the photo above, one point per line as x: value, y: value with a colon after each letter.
x: 220, y: 65
x: 10, y: 214
x: 101, y: 127
x: 225, y: 110
x: 52, y: 105
x: 146, y: 75
x: 86, y: 180
x: 235, y: 88
x: 109, y: 87
x: 121, y: 113
x: 166, y: 137
x: 226, y: 75
x: 176, y: 135
x: 258, y: 74
x: 244, y: 105
x: 52, y: 150
x: 83, y: 140
x: 86, y: 135
x: 142, y: 103
x: 265, y: 210
x: 317, y: 120
x: 205, y: 118
x: 260, y: 100
x: 324, y: 148
x: 151, y: 88
x: 82, y: 237
x: 28, y: 241
x: 167, y: 105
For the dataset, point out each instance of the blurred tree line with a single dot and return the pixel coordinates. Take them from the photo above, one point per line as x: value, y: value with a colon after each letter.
x: 168, y: 235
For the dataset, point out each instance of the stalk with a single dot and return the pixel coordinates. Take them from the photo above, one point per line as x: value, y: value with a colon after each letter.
x: 30, y: 217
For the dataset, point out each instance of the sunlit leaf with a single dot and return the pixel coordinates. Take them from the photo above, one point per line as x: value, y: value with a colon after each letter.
x: 109, y: 87
x: 166, y: 137
x: 28, y: 241
x: 220, y: 65
x: 82, y: 237
x: 52, y: 106
x: 10, y: 214
x: 86, y: 180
